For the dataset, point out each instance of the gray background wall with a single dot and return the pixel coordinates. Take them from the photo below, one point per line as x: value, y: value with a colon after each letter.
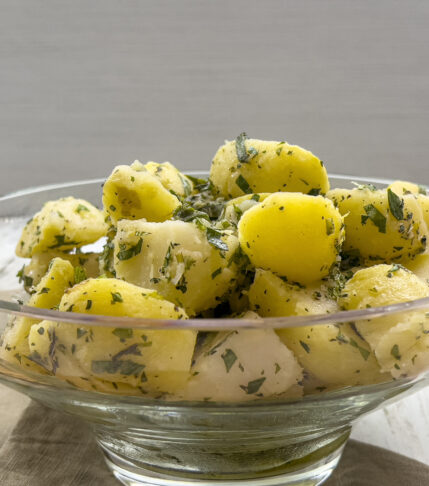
x: 86, y: 84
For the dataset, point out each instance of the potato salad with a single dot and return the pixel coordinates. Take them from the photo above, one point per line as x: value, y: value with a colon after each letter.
x: 263, y: 236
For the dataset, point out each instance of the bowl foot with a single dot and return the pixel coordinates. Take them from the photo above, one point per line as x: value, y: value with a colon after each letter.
x: 130, y: 475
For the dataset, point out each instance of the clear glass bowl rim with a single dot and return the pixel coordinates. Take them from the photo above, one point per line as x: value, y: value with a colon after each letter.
x: 213, y: 324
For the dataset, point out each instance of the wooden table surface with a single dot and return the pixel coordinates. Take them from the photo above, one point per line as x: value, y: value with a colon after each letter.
x: 85, y: 85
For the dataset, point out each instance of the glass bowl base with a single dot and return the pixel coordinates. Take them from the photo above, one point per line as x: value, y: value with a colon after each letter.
x: 314, y: 475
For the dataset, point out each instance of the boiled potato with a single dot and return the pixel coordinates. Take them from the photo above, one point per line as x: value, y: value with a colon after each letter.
x: 62, y: 225
x: 237, y: 366
x: 156, y: 361
x: 419, y: 265
x: 170, y: 177
x: 402, y: 188
x: 332, y: 354
x: 235, y: 208
x: 246, y: 166
x: 295, y: 235
x: 134, y: 194
x: 400, y: 341
x: 381, y: 225
x: 187, y: 264
x: 15, y: 347
x: 33, y: 272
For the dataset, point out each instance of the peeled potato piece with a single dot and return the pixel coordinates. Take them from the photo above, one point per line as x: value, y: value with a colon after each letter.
x: 170, y: 177
x: 62, y: 225
x: 38, y: 266
x: 400, y: 341
x: 247, y: 166
x: 237, y: 366
x: 15, y: 346
x: 294, y: 235
x: 176, y: 259
x: 333, y: 355
x: 134, y: 194
x: 154, y: 361
x: 381, y: 225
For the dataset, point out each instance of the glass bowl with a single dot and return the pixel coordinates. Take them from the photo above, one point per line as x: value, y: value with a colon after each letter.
x: 167, y: 441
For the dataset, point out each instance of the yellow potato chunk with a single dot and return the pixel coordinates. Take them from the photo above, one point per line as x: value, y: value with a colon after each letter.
x: 32, y: 273
x: 380, y: 224
x: 61, y: 225
x: 135, y: 194
x: 424, y: 205
x: 402, y: 188
x: 189, y: 265
x: 15, y: 347
x: 244, y: 365
x: 248, y: 165
x: 154, y: 361
x: 170, y: 177
x: 295, y: 235
x: 400, y: 341
x: 332, y: 355
x: 419, y: 265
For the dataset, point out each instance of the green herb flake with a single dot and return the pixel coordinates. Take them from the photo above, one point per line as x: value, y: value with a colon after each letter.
x: 112, y: 208
x: 217, y: 272
x: 314, y: 192
x: 240, y: 148
x: 88, y: 304
x: 278, y: 368
x: 229, y: 358
x: 395, y: 352
x: 253, y: 386
x: 41, y: 331
x: 214, y: 238
x: 330, y: 226
x: 116, y: 297
x: 364, y: 352
x: 375, y: 216
x: 45, y: 290
x: 127, y: 253
x: 123, y: 333
x: 79, y: 274
x: 81, y: 208
x: 422, y: 190
x: 305, y: 346
x: 396, y: 205
x: 243, y: 185
x: 80, y: 332
x: 255, y: 197
x: 279, y: 151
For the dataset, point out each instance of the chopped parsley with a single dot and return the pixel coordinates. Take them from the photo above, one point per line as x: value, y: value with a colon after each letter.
x: 81, y: 208
x: 79, y: 274
x: 116, y: 297
x: 217, y: 272
x: 373, y: 214
x: 305, y: 346
x: 253, y: 386
x: 396, y: 205
x: 127, y: 253
x: 243, y: 185
x: 229, y: 358
x: 395, y: 352
x: 330, y: 226
x: 123, y: 333
x: 214, y: 238
x: 240, y: 147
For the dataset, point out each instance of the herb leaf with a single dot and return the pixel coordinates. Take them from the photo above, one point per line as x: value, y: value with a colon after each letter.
x: 240, y: 148
x: 375, y: 216
x: 229, y: 358
x: 253, y: 386
x: 243, y: 185
x: 214, y: 238
x: 395, y: 352
x: 396, y: 205
x: 126, y: 254
x: 79, y: 274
